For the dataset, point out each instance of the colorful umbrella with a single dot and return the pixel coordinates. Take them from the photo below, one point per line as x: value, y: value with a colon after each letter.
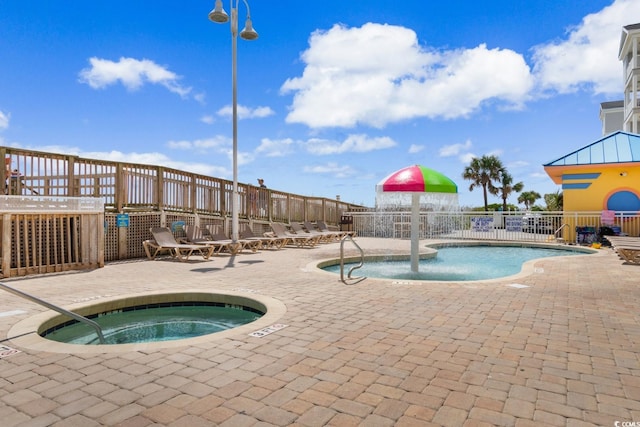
x: 416, y: 180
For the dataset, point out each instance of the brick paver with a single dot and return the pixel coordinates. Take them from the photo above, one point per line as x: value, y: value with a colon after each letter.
x: 561, y: 351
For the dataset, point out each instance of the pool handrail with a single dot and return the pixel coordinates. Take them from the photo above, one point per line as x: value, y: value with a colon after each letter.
x: 54, y: 307
x: 358, y: 279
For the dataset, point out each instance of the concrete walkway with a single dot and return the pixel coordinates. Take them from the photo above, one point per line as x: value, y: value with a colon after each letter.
x: 562, y: 351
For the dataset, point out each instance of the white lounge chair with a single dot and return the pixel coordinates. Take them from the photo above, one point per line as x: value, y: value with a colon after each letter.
x: 627, y: 248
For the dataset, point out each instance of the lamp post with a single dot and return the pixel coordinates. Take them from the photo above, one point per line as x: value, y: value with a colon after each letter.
x: 218, y: 15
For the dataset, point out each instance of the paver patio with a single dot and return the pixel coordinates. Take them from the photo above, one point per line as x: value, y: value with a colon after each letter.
x: 563, y: 351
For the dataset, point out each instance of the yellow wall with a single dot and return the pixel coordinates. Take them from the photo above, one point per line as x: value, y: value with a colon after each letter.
x: 603, y: 185
x: 612, y: 179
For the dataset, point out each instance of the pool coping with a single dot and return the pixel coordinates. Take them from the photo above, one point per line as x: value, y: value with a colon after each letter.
x: 25, y: 333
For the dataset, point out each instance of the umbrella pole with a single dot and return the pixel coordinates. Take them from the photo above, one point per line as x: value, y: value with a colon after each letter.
x: 415, y: 231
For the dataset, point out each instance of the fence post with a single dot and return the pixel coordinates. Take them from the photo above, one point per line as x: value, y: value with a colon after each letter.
x: 160, y: 188
x: 73, y: 189
x: 6, y: 245
x: 120, y: 191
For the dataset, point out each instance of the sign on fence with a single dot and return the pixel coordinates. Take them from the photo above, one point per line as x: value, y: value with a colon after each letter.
x: 482, y: 223
x: 122, y: 220
x: 513, y: 223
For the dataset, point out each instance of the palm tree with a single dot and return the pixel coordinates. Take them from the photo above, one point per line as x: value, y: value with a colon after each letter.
x: 554, y: 201
x: 508, y: 187
x: 528, y: 198
x: 483, y: 172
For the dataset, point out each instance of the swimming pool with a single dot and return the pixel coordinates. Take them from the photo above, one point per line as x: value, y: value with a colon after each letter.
x: 459, y: 262
x: 140, y: 324
x: 27, y: 333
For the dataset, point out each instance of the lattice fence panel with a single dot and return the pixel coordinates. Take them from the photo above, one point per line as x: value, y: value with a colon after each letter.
x: 110, y: 238
x: 138, y: 231
x: 214, y: 221
x: 176, y: 223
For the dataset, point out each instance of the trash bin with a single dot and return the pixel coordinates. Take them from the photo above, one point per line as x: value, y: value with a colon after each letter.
x: 346, y: 223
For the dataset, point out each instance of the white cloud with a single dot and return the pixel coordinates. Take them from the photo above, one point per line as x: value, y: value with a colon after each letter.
x: 454, y: 149
x: 208, y: 119
x: 353, y: 143
x: 415, y: 148
x: 246, y: 112
x: 217, y: 143
x: 275, y: 147
x: 153, y: 158
x: 4, y: 120
x: 588, y: 57
x: 131, y: 73
x: 466, y: 157
x: 333, y: 169
x: 518, y: 164
x: 200, y: 97
x: 379, y: 74
x: 244, y: 157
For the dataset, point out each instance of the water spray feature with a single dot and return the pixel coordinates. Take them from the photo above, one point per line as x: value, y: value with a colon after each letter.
x: 420, y: 188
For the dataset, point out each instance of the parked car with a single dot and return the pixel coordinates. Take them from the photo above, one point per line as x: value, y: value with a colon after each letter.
x: 536, y: 223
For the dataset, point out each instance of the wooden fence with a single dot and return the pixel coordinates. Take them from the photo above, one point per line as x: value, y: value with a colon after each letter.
x: 135, y: 197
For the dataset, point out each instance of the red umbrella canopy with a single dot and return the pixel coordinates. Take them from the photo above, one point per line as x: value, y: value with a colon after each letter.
x: 417, y: 179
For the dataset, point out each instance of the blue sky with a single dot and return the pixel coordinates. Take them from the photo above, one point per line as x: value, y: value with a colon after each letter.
x: 333, y: 96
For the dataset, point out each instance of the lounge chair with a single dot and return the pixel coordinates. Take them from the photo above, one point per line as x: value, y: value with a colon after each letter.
x: 164, y: 241
x: 298, y: 229
x: 232, y: 247
x: 280, y: 230
x: 629, y: 254
x: 627, y: 248
x: 329, y: 236
x: 267, y: 242
x: 324, y: 227
x: 196, y: 236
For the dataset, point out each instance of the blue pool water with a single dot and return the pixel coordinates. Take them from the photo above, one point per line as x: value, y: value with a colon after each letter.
x: 458, y: 263
x: 155, y: 324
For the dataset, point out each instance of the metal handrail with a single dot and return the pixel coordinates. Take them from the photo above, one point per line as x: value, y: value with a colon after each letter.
x: 555, y: 234
x: 60, y: 310
x: 358, y: 279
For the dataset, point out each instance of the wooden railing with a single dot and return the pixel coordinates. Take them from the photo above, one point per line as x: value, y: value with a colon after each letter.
x: 130, y: 187
x: 136, y: 197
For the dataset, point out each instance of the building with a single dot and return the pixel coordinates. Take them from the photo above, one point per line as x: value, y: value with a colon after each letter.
x: 604, y: 175
x: 625, y: 114
x: 629, y: 54
x: 612, y: 116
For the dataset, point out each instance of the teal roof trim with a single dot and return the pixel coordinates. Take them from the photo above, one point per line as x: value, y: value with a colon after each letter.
x: 571, y: 176
x: 579, y: 186
x: 617, y: 147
